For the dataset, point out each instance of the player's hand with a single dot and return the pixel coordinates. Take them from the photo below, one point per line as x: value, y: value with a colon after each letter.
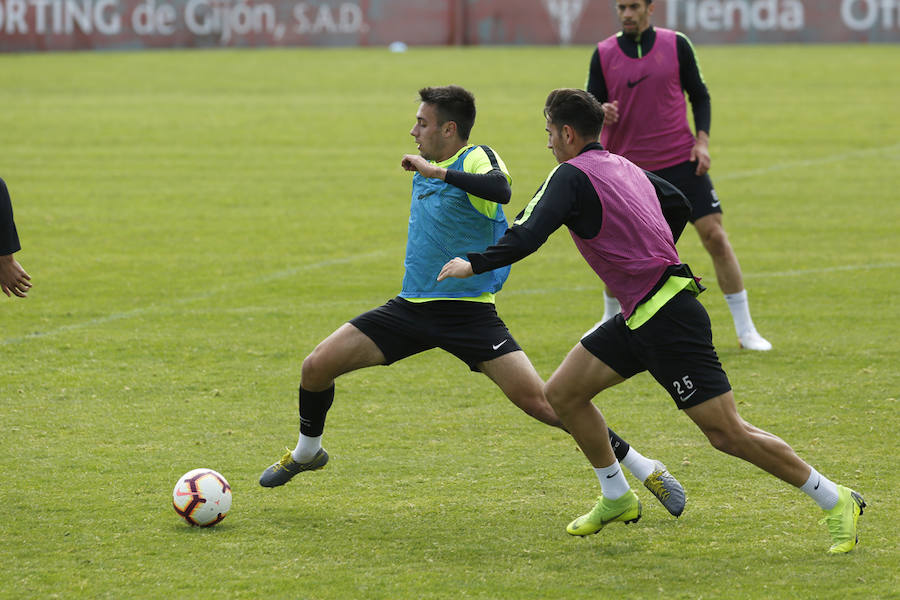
x: 700, y: 154
x: 610, y: 111
x: 458, y: 268
x: 13, y: 278
x: 415, y: 162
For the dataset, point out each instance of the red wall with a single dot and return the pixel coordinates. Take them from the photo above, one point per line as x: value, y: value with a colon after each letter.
x: 27, y: 25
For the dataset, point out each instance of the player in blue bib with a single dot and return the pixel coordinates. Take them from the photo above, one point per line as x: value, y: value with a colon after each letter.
x: 457, y: 193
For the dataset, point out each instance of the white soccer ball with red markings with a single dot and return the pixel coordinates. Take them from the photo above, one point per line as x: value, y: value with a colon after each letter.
x: 202, y: 497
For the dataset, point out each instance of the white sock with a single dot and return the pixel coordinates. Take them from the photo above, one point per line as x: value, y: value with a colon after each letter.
x: 612, y: 481
x: 821, y: 489
x: 740, y: 312
x: 639, y: 466
x: 306, y: 448
x: 611, y: 307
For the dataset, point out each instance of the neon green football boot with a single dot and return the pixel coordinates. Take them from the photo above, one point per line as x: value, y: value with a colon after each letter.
x: 842, y: 520
x: 626, y: 509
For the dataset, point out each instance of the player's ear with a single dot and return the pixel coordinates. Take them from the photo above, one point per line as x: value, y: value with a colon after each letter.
x: 450, y: 128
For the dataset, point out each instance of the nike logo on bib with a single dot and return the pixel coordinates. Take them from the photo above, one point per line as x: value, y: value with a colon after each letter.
x: 631, y: 83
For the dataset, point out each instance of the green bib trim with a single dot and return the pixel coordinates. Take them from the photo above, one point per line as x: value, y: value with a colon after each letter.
x: 670, y: 288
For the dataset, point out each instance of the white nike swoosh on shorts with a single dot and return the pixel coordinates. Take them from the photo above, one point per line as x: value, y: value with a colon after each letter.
x: 688, y: 396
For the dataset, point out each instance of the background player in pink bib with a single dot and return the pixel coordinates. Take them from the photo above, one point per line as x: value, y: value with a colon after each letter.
x: 640, y: 76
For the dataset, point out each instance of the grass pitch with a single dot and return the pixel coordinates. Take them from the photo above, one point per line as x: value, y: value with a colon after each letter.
x: 195, y: 222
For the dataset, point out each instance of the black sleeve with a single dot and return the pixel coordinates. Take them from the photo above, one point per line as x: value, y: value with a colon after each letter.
x: 9, y: 237
x: 555, y: 204
x: 491, y: 186
x: 692, y: 82
x: 675, y: 206
x: 596, y: 83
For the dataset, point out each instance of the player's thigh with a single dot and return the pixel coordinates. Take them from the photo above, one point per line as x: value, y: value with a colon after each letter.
x: 345, y: 350
x: 580, y: 377
x: 515, y: 376
x: 717, y: 417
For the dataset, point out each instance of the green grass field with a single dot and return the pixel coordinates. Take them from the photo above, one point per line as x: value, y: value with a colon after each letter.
x: 195, y: 222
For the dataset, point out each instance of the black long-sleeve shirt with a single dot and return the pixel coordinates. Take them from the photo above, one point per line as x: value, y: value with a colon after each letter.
x: 688, y: 70
x: 491, y: 185
x: 568, y: 198
x: 9, y: 237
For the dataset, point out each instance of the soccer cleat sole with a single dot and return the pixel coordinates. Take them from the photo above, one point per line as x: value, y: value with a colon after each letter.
x: 629, y: 522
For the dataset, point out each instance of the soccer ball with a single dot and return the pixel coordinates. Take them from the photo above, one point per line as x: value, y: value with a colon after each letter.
x: 202, y: 497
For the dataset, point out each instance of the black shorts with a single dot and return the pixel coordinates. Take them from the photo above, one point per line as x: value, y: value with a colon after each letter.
x: 470, y: 331
x: 697, y: 188
x: 675, y: 346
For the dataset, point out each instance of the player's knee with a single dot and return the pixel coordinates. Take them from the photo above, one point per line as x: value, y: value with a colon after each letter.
x: 729, y: 441
x: 716, y: 241
x: 544, y: 413
x: 314, y: 373
x: 560, y: 402
x: 534, y: 404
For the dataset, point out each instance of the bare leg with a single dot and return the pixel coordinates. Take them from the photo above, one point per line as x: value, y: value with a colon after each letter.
x: 345, y: 350
x: 727, y: 431
x: 517, y: 378
x: 725, y: 262
x: 570, y: 391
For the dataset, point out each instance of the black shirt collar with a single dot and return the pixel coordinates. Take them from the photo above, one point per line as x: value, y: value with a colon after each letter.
x: 645, y: 40
x: 591, y: 146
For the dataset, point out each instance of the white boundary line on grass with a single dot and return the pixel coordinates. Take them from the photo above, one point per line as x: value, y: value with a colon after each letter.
x: 277, y: 275
x: 795, y: 273
x: 806, y: 163
x: 338, y: 261
x: 887, y: 265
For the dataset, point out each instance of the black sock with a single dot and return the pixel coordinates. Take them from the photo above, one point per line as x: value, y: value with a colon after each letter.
x: 619, y: 446
x: 313, y: 408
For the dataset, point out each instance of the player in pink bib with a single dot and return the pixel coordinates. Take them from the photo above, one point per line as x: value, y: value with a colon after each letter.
x: 612, y: 210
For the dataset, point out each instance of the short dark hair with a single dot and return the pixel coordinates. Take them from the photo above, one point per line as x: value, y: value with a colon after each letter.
x: 576, y: 108
x: 453, y: 103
